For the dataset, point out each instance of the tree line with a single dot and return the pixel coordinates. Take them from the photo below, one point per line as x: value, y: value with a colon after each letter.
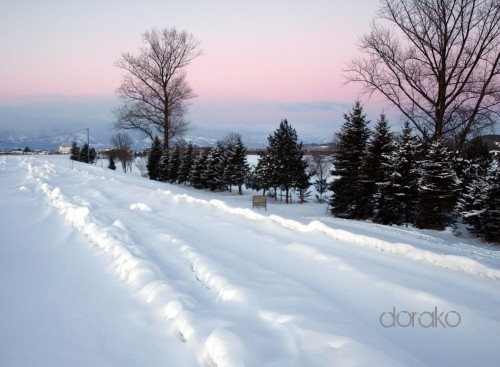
x: 402, y: 179
x: 281, y: 166
x: 217, y: 169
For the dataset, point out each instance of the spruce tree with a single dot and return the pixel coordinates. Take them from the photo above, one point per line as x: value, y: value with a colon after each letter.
x: 215, y: 168
x: 174, y: 164
x: 84, y: 154
x: 253, y: 180
x: 75, y: 152
x: 154, y: 159
x: 472, y: 203
x: 437, y: 189
x: 472, y: 166
x: 376, y: 167
x: 349, y: 198
x: 187, y: 158
x: 237, y: 167
x: 283, y: 161
x: 265, y: 176
x: 164, y: 167
x: 400, y: 185
x: 490, y: 218
x: 197, y: 175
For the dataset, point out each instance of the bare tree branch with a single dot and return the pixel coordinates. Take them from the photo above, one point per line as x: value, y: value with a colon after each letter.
x: 437, y: 61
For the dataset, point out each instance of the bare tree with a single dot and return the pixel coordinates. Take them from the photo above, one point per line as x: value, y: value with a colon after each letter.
x: 437, y: 61
x: 155, y: 92
x: 121, y: 143
x: 320, y: 166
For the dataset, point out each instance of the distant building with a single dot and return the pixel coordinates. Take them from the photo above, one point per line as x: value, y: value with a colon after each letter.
x: 64, y: 150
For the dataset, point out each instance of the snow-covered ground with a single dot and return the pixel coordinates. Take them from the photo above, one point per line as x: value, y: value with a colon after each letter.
x: 99, y: 268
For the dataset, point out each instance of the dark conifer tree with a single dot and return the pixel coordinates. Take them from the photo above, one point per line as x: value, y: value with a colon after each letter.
x: 84, y: 153
x: 253, y: 180
x: 174, y: 164
x: 283, y: 164
x: 154, y: 159
x: 93, y: 155
x: 472, y: 167
x: 400, y: 185
x: 265, y: 176
x: 349, y: 198
x: 111, y: 164
x: 236, y: 169
x: 198, y: 173
x: 376, y: 165
x: 215, y: 168
x: 164, y: 167
x: 187, y: 158
x: 490, y: 218
x: 437, y: 189
x: 471, y: 203
x: 75, y: 152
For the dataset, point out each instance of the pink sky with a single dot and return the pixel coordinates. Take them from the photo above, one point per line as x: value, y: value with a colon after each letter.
x: 262, y: 58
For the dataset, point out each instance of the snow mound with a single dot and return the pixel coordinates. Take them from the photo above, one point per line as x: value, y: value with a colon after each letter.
x: 224, y: 349
x: 141, y: 207
x: 454, y: 262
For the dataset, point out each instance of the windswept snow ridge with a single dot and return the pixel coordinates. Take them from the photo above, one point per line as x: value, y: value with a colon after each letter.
x: 240, y: 287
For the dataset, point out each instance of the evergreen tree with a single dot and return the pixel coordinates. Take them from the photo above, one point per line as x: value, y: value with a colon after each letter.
x: 111, y: 164
x: 93, y: 155
x: 237, y: 167
x: 154, y: 159
x: 399, y: 187
x: 87, y: 156
x: 164, y: 167
x: 438, y: 188
x: 75, y: 152
x: 283, y: 163
x: 197, y: 175
x: 187, y: 158
x: 301, y: 181
x: 472, y: 203
x: 215, y: 168
x: 376, y: 168
x: 472, y: 166
x: 349, y: 198
x: 265, y: 176
x: 253, y: 180
x: 490, y: 218
x: 174, y: 164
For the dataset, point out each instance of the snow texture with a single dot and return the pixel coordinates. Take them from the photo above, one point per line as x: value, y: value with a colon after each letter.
x: 104, y: 268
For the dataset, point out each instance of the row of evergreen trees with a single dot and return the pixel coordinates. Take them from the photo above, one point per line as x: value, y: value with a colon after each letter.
x: 218, y: 169
x: 281, y: 166
x: 399, y: 180
x: 82, y: 154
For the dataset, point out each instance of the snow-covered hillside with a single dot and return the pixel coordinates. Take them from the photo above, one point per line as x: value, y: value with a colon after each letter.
x: 99, y: 268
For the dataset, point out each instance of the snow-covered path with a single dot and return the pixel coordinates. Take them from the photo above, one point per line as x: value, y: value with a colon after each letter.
x: 60, y: 305
x: 232, y: 286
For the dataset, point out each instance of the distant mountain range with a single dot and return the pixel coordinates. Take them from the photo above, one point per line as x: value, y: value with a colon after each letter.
x: 10, y: 141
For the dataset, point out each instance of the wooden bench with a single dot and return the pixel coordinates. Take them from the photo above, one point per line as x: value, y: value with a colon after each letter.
x: 259, y: 201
